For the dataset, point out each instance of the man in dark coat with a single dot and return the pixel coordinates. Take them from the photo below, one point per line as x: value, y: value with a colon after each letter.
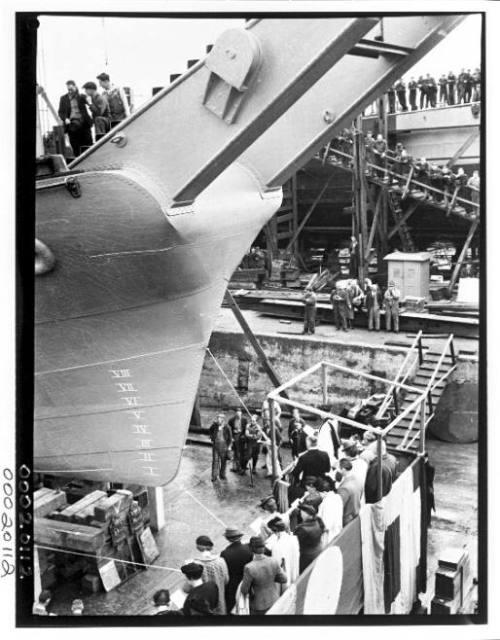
x: 220, y: 435
x: 400, y: 88
x: 468, y: 84
x: 391, y: 99
x: 422, y: 87
x: 452, y: 80
x: 296, y: 434
x: 237, y: 424
x: 236, y: 556
x: 443, y: 90
x: 412, y: 94
x: 77, y: 122
x: 389, y: 472
x: 203, y: 596
x: 311, y: 463
x: 99, y: 108
x: 309, y: 534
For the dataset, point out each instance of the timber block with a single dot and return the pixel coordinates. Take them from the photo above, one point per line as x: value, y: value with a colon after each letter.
x: 119, y: 502
x: 69, y: 513
x: 68, y: 535
x: 48, y: 501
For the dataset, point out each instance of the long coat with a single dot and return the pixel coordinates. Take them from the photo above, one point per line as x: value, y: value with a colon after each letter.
x: 64, y: 110
x: 236, y: 556
x: 261, y: 578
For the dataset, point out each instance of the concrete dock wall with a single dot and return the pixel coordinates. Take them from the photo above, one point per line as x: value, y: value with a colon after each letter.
x: 456, y: 417
x: 290, y: 356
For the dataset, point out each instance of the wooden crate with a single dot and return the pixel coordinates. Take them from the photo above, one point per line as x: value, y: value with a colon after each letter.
x: 118, y: 503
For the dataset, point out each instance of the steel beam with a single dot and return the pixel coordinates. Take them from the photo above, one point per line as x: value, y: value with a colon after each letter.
x: 195, y: 128
x: 261, y: 354
x: 339, y: 96
x: 468, y: 240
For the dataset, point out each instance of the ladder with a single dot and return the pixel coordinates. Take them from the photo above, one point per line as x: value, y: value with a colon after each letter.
x: 394, y: 201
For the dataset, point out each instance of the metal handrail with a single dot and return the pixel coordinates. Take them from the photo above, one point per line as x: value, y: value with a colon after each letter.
x: 388, y: 395
x: 426, y: 187
x: 430, y: 386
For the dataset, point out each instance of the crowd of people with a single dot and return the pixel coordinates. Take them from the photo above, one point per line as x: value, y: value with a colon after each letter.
x: 80, y: 112
x: 347, y: 296
x: 393, y: 166
x: 330, y: 479
x: 426, y: 92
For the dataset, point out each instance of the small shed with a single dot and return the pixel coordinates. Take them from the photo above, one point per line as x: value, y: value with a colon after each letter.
x: 410, y: 272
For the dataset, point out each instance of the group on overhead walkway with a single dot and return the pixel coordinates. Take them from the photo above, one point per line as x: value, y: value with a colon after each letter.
x: 435, y: 184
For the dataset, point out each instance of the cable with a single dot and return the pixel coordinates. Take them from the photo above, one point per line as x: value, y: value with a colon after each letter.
x: 95, y: 557
x: 229, y: 383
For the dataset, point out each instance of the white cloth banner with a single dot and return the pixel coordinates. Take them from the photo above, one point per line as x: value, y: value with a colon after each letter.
x: 372, y: 553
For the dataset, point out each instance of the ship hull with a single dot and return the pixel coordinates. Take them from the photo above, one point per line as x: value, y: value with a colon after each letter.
x: 124, y: 318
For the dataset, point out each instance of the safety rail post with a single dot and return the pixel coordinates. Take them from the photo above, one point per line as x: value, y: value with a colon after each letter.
x: 408, y: 181
x: 379, y: 469
x: 420, y: 350
x: 429, y: 400
x: 452, y: 351
x: 395, y: 400
x: 324, y: 383
x: 421, y: 444
x: 270, y: 402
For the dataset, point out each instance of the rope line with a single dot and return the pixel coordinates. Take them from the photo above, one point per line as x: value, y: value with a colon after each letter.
x: 95, y: 557
x: 206, y: 508
x: 230, y: 383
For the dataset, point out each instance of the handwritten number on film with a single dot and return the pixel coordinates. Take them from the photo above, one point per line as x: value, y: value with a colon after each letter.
x: 7, y: 522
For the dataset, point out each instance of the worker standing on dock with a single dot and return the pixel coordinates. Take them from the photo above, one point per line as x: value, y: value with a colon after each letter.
x: 391, y: 306
x: 237, y: 424
x: 310, y: 300
x: 373, y: 305
x: 220, y: 435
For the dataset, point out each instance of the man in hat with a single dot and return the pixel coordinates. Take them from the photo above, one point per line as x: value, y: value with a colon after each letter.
x: 313, y: 462
x: 77, y: 121
x: 309, y: 534
x: 117, y: 100
x: 350, y: 489
x: 391, y: 307
x: 220, y: 435
x: 373, y: 301
x: 214, y: 570
x: 261, y: 579
x: 203, y: 597
x: 237, y: 424
x: 236, y: 555
x: 40, y: 608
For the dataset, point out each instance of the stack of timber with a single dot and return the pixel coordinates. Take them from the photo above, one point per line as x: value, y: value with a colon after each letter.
x: 86, y: 538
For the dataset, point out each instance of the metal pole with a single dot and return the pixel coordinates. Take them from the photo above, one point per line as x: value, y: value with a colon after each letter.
x: 324, y: 384
x: 274, y: 453
x: 422, y: 428
x: 379, y: 469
